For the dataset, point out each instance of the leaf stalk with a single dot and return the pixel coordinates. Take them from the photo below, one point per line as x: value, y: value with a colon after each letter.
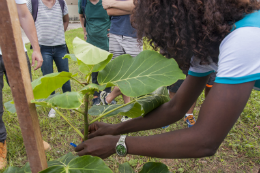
x: 66, y: 119
x: 77, y: 81
x: 101, y: 116
x: 86, y: 124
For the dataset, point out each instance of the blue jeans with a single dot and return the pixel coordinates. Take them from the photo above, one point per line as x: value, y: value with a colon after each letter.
x: 55, y: 53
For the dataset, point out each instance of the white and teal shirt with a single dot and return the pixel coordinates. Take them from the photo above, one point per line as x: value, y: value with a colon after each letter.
x: 239, y: 57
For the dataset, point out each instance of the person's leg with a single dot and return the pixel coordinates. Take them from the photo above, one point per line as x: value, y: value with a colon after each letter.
x: 96, y: 97
x: 116, y: 49
x: 47, y: 68
x: 62, y: 64
x: 210, y: 83
x: 2, y: 126
x: 3, y: 148
x: 189, y: 117
x: 110, y: 97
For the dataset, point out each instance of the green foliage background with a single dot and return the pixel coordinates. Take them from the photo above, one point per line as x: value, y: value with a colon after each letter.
x: 239, y: 152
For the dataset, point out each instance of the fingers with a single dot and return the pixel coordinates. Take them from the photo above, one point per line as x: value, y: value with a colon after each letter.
x: 79, y: 147
x: 39, y: 64
x: 94, y: 134
x: 33, y: 60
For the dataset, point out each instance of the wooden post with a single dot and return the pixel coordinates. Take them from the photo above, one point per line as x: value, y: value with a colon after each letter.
x: 20, y: 83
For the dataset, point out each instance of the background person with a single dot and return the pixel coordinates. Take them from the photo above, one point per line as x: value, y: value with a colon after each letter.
x: 230, y: 48
x: 27, y: 24
x: 122, y: 39
x: 95, y: 23
x: 51, y: 23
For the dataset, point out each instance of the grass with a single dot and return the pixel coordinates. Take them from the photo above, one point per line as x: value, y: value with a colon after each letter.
x: 240, y: 151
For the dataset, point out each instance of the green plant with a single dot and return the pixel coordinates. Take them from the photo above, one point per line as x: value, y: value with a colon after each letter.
x: 143, y: 78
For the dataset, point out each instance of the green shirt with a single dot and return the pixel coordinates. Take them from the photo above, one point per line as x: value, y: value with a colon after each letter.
x: 97, y: 24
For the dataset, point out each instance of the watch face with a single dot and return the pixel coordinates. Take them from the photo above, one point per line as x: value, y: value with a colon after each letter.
x: 121, y: 150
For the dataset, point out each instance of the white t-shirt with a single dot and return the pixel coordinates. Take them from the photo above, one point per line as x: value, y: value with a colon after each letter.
x: 239, y: 59
x: 18, y: 2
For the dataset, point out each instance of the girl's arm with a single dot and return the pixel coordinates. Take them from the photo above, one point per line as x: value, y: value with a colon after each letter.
x: 218, y: 114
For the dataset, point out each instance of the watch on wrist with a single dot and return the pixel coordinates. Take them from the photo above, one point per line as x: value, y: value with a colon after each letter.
x: 121, y: 149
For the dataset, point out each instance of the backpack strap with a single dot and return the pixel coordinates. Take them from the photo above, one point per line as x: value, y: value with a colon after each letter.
x: 62, y: 6
x: 83, y: 8
x: 35, y: 4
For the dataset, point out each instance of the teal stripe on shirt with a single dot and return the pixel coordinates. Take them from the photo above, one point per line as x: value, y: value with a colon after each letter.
x: 238, y: 80
x: 199, y: 74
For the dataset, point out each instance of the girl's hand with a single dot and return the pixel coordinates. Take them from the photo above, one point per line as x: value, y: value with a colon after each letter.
x: 101, y: 129
x: 103, y: 146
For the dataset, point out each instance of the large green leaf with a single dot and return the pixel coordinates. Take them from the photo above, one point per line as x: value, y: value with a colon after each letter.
x: 91, y: 88
x: 68, y: 100
x: 138, y: 107
x: 149, y: 102
x: 140, y: 75
x: 83, y: 68
x: 9, y: 106
x: 103, y: 109
x: 64, y: 160
x: 45, y: 85
x: 82, y: 164
x: 90, y: 58
x: 125, y: 168
x: 154, y: 167
x: 25, y: 169
x: 12, y: 170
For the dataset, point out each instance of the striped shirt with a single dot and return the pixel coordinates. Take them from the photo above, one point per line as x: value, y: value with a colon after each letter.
x: 49, y: 23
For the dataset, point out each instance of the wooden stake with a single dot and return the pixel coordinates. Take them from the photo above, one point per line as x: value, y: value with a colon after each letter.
x: 20, y: 83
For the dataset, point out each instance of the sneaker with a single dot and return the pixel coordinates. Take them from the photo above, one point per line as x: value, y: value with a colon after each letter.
x: 190, y: 120
x: 113, y: 102
x: 125, y: 118
x: 165, y: 127
x: 3, y: 153
x: 103, y: 96
x: 96, y: 101
x: 52, y: 113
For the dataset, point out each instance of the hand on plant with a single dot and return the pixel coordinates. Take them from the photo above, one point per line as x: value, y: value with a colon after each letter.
x: 100, y: 129
x: 102, y: 146
x: 36, y: 55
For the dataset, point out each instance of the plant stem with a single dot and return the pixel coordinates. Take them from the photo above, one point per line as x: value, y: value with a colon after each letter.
x: 86, y: 124
x: 88, y: 79
x: 101, y: 116
x: 77, y: 130
x: 77, y: 81
x: 76, y: 110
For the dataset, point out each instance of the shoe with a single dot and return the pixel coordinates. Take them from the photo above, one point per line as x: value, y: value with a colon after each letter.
x: 113, y: 102
x: 96, y: 101
x: 165, y: 127
x: 125, y: 118
x: 46, y: 146
x: 190, y: 120
x: 103, y: 96
x: 52, y: 113
x: 3, y: 153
